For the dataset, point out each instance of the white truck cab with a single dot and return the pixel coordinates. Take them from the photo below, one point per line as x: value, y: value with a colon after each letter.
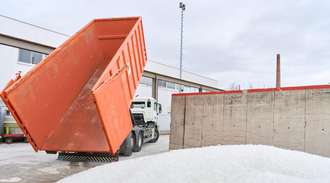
x: 147, y: 106
x: 144, y: 113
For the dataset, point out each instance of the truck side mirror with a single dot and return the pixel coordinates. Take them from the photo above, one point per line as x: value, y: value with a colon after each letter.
x: 160, y: 108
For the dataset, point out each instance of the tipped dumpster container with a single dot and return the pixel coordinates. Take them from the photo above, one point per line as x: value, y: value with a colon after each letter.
x: 78, y: 98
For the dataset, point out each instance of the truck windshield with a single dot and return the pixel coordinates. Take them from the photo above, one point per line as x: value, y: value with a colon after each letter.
x: 138, y: 105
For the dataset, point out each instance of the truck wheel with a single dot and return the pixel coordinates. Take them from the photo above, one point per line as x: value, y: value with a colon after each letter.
x: 126, y: 147
x: 138, y: 141
x: 156, y: 136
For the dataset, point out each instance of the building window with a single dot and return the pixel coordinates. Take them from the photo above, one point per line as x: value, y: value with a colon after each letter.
x: 161, y: 83
x: 146, y: 81
x: 190, y: 89
x: 36, y: 57
x: 170, y: 85
x: 29, y: 57
x: 178, y: 87
x: 24, y: 56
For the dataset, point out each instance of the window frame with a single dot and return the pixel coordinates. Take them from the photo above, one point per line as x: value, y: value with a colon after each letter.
x: 31, y: 56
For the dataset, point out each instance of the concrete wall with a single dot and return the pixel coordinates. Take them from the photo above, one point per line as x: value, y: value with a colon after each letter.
x: 260, y: 116
x: 296, y: 118
x: 178, y: 111
x: 317, y: 131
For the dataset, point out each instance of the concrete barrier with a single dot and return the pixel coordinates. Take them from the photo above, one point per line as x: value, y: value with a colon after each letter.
x: 296, y: 118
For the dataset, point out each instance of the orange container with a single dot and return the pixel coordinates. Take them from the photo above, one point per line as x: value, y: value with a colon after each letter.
x: 78, y: 98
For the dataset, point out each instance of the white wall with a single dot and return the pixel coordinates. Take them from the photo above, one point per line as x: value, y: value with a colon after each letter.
x: 164, y: 98
x: 9, y: 64
x: 143, y: 91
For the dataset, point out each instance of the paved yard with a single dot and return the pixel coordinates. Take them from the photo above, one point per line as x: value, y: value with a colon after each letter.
x: 19, y: 163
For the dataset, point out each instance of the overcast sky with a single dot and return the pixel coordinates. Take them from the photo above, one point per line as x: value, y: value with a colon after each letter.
x: 230, y: 41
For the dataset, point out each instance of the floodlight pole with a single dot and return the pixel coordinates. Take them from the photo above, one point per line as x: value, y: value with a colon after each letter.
x: 182, y: 6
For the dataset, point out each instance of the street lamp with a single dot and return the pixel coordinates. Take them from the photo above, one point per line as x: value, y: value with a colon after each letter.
x: 182, y: 6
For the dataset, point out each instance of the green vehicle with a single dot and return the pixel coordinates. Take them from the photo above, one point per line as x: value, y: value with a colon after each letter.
x: 10, y: 131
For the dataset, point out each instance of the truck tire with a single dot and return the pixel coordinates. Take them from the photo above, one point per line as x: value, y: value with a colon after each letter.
x: 138, y: 141
x: 156, y: 136
x: 126, y: 147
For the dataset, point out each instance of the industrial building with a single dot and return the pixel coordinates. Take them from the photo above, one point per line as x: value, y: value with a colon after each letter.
x: 22, y: 45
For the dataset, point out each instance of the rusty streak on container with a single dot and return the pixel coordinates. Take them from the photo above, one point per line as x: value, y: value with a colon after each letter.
x: 78, y: 98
